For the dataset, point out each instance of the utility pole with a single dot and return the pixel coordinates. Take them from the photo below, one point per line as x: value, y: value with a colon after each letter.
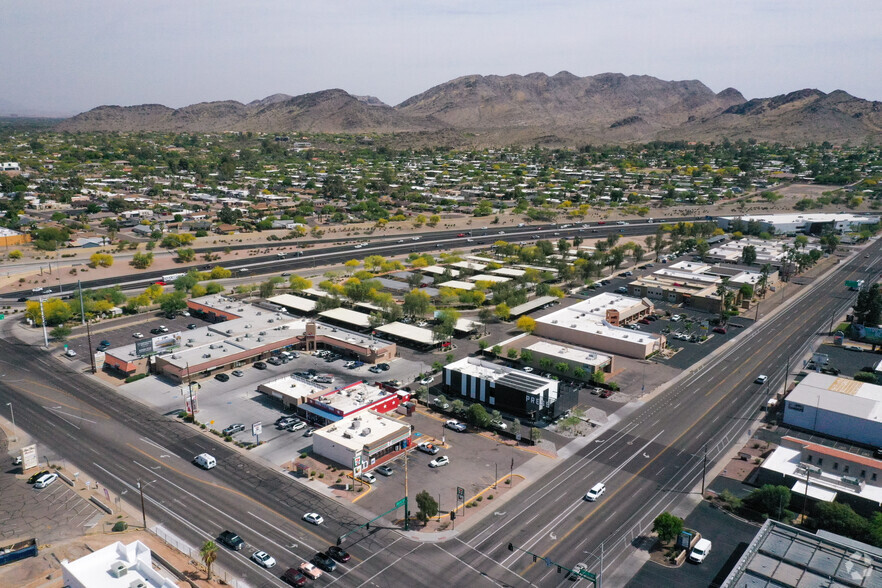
x: 91, y: 353
x: 190, y: 389
x: 703, y: 467
x: 805, y: 496
x: 786, y: 373
x: 43, y: 322
x: 12, y: 414
x: 143, y: 511
x: 82, y: 307
x: 496, y: 479
x: 406, y: 494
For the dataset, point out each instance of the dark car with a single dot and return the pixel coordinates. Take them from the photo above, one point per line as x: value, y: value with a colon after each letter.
x: 103, y: 347
x: 294, y: 577
x: 155, y: 331
x: 721, y: 330
x: 338, y: 553
x: 23, y: 299
x: 383, y: 366
x: 191, y: 326
x: 36, y: 476
x: 324, y: 561
x: 231, y: 540
x: 222, y: 378
x: 259, y: 365
x: 606, y: 393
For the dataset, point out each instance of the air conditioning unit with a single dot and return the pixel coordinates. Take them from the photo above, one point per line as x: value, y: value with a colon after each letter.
x: 206, y: 355
x: 118, y: 569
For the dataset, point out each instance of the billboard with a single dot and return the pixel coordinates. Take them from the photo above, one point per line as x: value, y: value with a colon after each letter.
x: 158, y: 344
x: 868, y: 334
x: 28, y: 457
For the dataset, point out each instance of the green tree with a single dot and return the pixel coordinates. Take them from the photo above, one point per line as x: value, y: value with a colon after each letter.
x: 298, y: 283
x: 57, y: 312
x: 841, y: 519
x: 61, y: 332
x: 770, y: 500
x: 868, y: 308
x: 213, y: 288
x: 173, y: 302
x: 268, y: 287
x: 478, y: 415
x: 503, y: 311
x: 101, y: 260
x: 186, y: 255
x: 417, y: 303
x: 526, y: 355
x: 428, y: 506
x: 142, y: 260
x: 748, y: 254
x: 219, y: 273
x: 208, y: 553
x: 667, y: 527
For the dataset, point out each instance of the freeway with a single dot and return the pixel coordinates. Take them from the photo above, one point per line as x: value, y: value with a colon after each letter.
x: 654, y: 459
x: 318, y: 255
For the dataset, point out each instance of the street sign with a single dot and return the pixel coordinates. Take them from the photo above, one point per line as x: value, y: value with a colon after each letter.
x: 257, y: 428
x: 401, y: 502
x: 460, y: 493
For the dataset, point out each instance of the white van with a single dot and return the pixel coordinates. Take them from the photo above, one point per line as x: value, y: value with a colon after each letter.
x: 205, y: 461
x: 700, y: 551
x: 596, y: 492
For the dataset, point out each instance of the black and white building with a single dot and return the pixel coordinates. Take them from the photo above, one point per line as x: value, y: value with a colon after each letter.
x: 499, y: 387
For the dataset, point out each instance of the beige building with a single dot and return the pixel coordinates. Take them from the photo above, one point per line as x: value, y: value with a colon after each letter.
x: 599, y: 323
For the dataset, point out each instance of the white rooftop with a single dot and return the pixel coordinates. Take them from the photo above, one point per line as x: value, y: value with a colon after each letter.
x: 296, y: 302
x: 345, y: 315
x: 115, y: 566
x: 409, y: 332
x: 840, y: 395
x: 510, y: 272
x: 458, y: 285
x: 352, y: 397
x: 569, y: 353
x: 290, y: 386
x: 469, y: 265
x: 363, y: 428
x: 438, y: 270
x: 488, y: 278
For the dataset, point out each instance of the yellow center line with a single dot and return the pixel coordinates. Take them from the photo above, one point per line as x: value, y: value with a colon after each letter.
x: 89, y: 411
x: 650, y: 462
x: 224, y: 488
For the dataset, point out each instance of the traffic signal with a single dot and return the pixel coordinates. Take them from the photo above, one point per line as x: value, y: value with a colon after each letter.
x: 559, y: 570
x: 535, y: 557
x: 510, y: 547
x: 368, y: 526
x: 453, y: 516
x: 339, y: 541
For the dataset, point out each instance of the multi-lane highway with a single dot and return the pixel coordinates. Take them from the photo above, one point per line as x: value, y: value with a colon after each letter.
x: 648, y: 462
x: 318, y: 253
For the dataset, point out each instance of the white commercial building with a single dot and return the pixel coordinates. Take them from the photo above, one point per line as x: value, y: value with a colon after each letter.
x: 816, y: 223
x: 596, y: 323
x: 362, y: 441
x: 116, y: 566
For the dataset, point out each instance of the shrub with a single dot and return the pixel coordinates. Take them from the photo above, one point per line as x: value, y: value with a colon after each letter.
x: 120, y: 526
x: 303, y: 455
x: 137, y: 377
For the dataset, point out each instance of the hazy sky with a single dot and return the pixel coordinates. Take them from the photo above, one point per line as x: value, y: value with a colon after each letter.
x: 65, y: 57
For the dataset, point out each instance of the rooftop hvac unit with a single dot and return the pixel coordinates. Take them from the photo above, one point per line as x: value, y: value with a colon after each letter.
x: 260, y: 339
x: 174, y: 356
x: 229, y: 331
x: 118, y: 569
x: 206, y: 355
x: 190, y: 340
x: 366, y: 432
x: 261, y: 333
x: 347, y: 435
x: 271, y: 321
x: 139, y: 583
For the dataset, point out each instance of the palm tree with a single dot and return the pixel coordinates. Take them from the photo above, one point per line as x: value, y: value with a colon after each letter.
x: 209, y: 555
x: 763, y: 281
x: 722, y: 291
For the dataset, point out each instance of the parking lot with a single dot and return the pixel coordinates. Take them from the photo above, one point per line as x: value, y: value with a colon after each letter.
x: 476, y: 462
x: 120, y: 332
x: 220, y: 404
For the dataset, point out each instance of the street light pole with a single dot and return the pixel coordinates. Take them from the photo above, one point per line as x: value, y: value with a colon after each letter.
x: 143, y: 511
x: 14, y: 430
x: 43, y: 322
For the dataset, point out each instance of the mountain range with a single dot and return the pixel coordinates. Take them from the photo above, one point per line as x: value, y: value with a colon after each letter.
x: 562, y: 109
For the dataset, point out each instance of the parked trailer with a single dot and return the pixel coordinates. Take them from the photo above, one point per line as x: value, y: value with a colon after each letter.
x: 17, y: 551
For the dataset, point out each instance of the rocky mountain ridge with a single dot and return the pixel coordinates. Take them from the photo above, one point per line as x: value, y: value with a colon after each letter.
x: 562, y: 109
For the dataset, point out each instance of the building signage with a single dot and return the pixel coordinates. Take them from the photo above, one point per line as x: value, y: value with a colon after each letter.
x: 28, y: 457
x: 868, y: 334
x: 256, y: 428
x: 165, y: 342
x: 143, y: 347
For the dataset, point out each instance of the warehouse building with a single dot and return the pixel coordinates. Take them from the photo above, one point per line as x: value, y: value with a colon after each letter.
x: 362, y: 441
x: 501, y: 388
x: 836, y: 407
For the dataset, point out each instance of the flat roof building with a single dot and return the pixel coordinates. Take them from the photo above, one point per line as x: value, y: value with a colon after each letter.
x: 347, y: 317
x: 328, y: 406
x: 596, y: 323
x: 836, y: 407
x: 832, y: 474
x: 362, y: 441
x: 500, y: 387
x: 290, y: 391
x: 115, y: 566
x: 575, y: 357
x: 419, y: 336
x: 293, y: 303
x: 815, y: 223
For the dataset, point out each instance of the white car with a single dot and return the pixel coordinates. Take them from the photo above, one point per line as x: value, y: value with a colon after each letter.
x: 262, y: 558
x: 761, y: 379
x: 296, y: 426
x: 45, y: 480
x: 439, y: 462
x: 70, y: 353
x: 367, y: 477
x: 138, y: 335
x: 454, y: 425
x: 527, y: 369
x: 426, y: 381
x: 596, y: 492
x: 314, y: 518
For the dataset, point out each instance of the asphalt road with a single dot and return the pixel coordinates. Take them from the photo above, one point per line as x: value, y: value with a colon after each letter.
x: 322, y: 255
x: 648, y: 462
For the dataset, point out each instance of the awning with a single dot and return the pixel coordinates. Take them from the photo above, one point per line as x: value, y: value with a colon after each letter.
x: 319, y: 412
x: 815, y: 492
